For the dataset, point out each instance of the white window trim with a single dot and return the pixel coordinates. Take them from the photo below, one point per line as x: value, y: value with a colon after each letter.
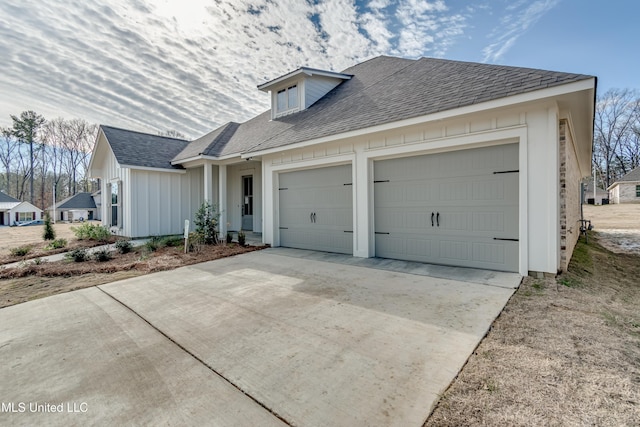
x: 285, y: 89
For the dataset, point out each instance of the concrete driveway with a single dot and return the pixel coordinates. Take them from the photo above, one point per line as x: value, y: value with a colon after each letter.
x: 274, y: 337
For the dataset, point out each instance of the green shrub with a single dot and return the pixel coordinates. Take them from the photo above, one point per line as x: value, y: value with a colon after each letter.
x: 49, y: 233
x: 20, y: 251
x: 172, y: 241
x: 102, y: 255
x: 91, y: 232
x: 124, y: 246
x: 77, y: 255
x: 229, y: 237
x: 57, y: 244
x: 207, y: 223
x: 154, y: 243
x: 242, y: 238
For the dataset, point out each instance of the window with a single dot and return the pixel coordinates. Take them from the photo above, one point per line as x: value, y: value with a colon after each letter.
x: 637, y: 190
x: 287, y: 99
x: 116, y: 203
x: 25, y: 216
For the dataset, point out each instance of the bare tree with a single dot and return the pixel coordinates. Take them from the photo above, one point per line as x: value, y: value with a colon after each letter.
x: 172, y: 133
x: 7, y: 152
x: 613, y: 130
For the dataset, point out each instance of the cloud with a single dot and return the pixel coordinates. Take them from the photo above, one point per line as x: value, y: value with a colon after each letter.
x: 153, y: 65
x: 521, y: 16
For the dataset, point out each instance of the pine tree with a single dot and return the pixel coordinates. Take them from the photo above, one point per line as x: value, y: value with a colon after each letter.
x: 49, y: 233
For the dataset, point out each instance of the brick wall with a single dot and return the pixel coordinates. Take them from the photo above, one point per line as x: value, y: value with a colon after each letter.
x: 569, y: 196
x: 628, y: 193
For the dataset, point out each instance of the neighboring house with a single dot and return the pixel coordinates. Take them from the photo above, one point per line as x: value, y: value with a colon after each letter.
x: 601, y: 196
x: 627, y: 188
x: 13, y: 211
x: 427, y: 160
x: 79, y: 207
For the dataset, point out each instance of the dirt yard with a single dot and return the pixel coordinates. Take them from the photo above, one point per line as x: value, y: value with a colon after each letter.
x: 565, y: 351
x: 617, y: 225
x: 12, y: 237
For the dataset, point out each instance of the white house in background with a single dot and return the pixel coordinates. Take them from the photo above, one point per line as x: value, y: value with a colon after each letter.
x: 428, y: 160
x: 627, y: 188
x: 13, y: 211
x: 79, y: 207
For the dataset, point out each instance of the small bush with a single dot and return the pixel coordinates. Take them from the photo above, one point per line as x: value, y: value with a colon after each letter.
x: 154, y: 243
x: 242, y: 238
x: 124, y: 246
x: 78, y: 255
x: 91, y: 232
x: 172, y: 241
x: 229, y: 238
x: 20, y: 251
x: 196, y: 241
x: 57, y: 244
x: 102, y: 255
x: 49, y: 233
x: 39, y: 261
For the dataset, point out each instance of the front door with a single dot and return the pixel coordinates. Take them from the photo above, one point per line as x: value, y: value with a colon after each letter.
x: 247, y: 202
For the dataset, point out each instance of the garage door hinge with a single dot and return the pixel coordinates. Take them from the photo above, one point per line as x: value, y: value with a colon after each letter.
x: 508, y: 240
x: 284, y: 228
x: 283, y: 188
x: 381, y: 180
x: 513, y: 171
x: 348, y: 183
x: 348, y: 231
x: 380, y: 232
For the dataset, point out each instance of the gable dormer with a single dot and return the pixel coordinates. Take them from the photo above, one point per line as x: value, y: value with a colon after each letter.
x: 299, y: 89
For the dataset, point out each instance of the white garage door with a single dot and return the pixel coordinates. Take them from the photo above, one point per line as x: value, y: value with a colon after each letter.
x: 316, y: 209
x: 458, y: 208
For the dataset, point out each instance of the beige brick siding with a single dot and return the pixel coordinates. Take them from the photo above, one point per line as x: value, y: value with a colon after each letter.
x: 569, y: 196
x: 627, y: 192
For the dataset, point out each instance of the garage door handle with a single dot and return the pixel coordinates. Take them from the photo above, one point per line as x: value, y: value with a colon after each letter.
x: 314, y: 217
x: 432, y: 214
x: 438, y: 219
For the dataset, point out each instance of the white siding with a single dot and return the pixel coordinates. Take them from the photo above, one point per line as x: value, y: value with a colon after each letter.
x: 316, y: 87
x: 161, y: 201
x: 533, y: 127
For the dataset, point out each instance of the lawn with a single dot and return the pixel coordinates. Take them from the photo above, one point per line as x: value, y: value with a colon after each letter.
x: 565, y: 351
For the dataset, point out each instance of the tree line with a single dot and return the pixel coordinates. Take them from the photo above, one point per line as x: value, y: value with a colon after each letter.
x: 38, y: 155
x: 616, y: 135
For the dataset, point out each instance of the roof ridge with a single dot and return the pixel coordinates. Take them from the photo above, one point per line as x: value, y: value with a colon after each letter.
x: 142, y: 133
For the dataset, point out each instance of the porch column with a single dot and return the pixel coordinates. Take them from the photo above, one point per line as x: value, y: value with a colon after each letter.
x: 208, y: 183
x: 222, y: 201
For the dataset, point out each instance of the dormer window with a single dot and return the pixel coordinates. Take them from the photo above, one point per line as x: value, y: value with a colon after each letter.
x: 287, y: 99
x: 300, y: 89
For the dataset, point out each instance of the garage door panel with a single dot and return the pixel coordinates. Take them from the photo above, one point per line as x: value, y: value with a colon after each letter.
x: 473, y: 195
x: 316, y: 209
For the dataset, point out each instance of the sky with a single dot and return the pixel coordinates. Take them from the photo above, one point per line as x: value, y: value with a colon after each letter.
x: 193, y: 65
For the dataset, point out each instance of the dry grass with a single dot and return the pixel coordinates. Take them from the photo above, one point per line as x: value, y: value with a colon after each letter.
x: 12, y: 237
x: 623, y: 217
x: 564, y: 352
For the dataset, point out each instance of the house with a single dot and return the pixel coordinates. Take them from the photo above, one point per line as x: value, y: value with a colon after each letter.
x: 428, y: 160
x: 13, y: 211
x: 81, y: 206
x: 627, y: 188
x: 601, y: 196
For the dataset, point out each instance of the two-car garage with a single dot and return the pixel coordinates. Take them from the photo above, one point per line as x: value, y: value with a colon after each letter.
x: 454, y: 208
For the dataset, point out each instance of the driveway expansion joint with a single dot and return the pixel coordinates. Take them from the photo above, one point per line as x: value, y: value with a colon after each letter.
x: 271, y: 411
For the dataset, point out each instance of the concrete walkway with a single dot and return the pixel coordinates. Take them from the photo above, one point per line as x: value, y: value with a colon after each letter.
x: 264, y: 338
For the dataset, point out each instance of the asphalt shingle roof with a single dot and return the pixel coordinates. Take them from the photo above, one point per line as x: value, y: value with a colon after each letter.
x: 143, y: 149
x: 5, y: 198
x: 79, y: 201
x: 632, y: 176
x: 382, y: 90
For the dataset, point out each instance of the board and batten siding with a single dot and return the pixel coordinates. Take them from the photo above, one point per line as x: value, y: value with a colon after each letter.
x: 534, y: 127
x: 161, y: 201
